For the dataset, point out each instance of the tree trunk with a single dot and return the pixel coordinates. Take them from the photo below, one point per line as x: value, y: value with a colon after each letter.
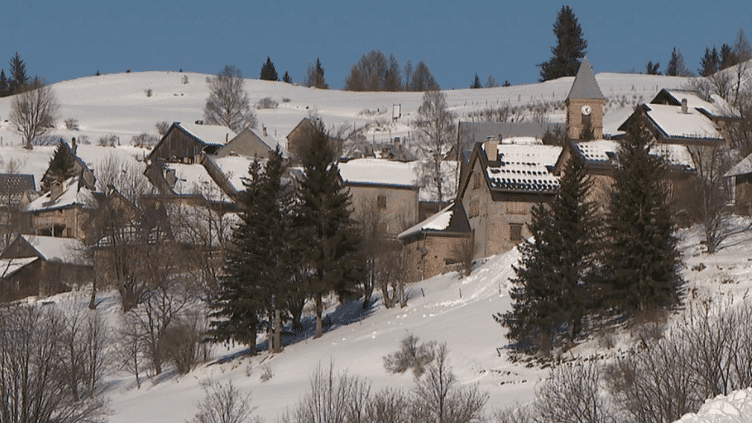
x: 319, y: 310
x: 93, y: 298
x: 277, y: 330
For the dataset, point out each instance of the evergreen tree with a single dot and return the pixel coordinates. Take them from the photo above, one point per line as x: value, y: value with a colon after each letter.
x: 652, y: 69
x: 552, y: 292
x: 569, y: 50
x: 4, y: 86
x: 17, y: 70
x: 476, y: 82
x: 257, y: 268
x: 710, y: 62
x: 62, y: 166
x: 728, y: 58
x: 640, y: 263
x: 315, y: 76
x: 676, y: 65
x: 286, y: 78
x: 268, y: 73
x: 330, y: 239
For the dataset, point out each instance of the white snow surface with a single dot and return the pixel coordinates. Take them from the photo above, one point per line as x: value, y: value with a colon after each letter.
x: 437, y: 222
x: 444, y: 309
x: 733, y: 408
x: 64, y: 250
x: 675, y: 123
x: 378, y: 172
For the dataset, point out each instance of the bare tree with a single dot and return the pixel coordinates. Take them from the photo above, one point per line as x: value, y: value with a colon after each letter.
x: 571, y: 395
x: 33, y: 382
x: 742, y: 51
x: 411, y: 356
x: 34, y: 111
x: 710, y: 208
x: 437, y: 396
x: 435, y: 130
x: 125, y: 175
x: 315, y: 76
x: 228, y: 103
x: 224, y: 404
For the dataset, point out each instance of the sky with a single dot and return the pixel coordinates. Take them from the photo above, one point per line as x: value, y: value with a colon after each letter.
x: 456, y: 39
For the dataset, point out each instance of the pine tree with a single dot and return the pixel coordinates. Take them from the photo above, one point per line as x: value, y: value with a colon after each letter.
x: 62, y: 166
x: 17, y: 70
x: 268, y: 73
x: 640, y: 263
x: 257, y: 268
x: 676, y: 65
x: 710, y: 62
x: 652, y: 69
x: 4, y: 86
x: 330, y: 237
x: 728, y: 58
x: 286, y: 78
x: 569, y: 50
x: 552, y: 292
x: 315, y: 76
x: 476, y: 82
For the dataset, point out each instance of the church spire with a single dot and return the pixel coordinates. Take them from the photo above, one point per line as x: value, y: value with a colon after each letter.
x: 585, y: 86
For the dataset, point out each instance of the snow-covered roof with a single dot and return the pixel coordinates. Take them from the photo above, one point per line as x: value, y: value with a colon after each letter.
x: 73, y: 193
x: 10, y: 266
x: 742, y: 168
x: 524, y: 168
x: 378, y: 172
x: 192, y: 179
x: 64, y: 250
x: 674, y: 123
x: 601, y: 152
x: 450, y: 219
x: 234, y: 168
x: 270, y: 141
x: 210, y: 134
x: 717, y: 107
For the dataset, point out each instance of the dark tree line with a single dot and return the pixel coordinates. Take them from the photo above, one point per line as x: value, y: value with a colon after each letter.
x: 578, y: 267
x: 374, y: 72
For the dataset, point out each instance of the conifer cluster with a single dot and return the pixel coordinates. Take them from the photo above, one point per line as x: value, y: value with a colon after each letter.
x: 582, y: 265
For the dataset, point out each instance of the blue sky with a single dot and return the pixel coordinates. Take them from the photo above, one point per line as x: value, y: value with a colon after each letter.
x: 62, y: 40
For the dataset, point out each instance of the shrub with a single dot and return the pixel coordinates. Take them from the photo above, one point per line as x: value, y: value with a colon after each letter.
x: 267, y: 103
x: 110, y: 140
x: 410, y: 356
x: 224, y: 404
x: 181, y: 342
x: 184, y: 80
x: 144, y: 140
x: 148, y: 92
x: 71, y: 124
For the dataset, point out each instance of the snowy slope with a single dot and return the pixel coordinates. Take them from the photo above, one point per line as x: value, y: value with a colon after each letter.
x: 444, y: 309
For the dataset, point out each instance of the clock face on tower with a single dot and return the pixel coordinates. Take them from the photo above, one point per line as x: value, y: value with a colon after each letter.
x: 586, y: 110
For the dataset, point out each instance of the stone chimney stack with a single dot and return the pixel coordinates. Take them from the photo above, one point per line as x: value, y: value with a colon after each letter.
x: 74, y: 147
x: 491, y: 148
x: 684, y: 106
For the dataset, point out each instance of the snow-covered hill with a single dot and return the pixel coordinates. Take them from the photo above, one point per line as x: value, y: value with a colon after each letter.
x: 444, y: 309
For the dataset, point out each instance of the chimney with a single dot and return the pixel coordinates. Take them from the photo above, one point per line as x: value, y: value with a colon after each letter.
x: 264, y: 128
x: 56, y: 190
x: 491, y: 147
x: 74, y: 147
x: 684, y: 106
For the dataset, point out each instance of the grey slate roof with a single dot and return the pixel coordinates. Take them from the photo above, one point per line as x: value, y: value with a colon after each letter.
x: 585, y: 86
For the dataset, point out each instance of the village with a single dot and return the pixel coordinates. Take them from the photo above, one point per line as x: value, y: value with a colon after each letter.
x: 502, y: 171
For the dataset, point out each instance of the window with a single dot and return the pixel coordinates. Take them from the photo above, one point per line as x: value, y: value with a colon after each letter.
x: 515, y: 232
x: 381, y: 202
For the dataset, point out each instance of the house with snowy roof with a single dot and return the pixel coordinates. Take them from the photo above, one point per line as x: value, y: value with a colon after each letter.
x: 383, y: 192
x: 740, y: 177
x: 42, y: 266
x: 599, y: 160
x: 64, y: 210
x: 684, y: 117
